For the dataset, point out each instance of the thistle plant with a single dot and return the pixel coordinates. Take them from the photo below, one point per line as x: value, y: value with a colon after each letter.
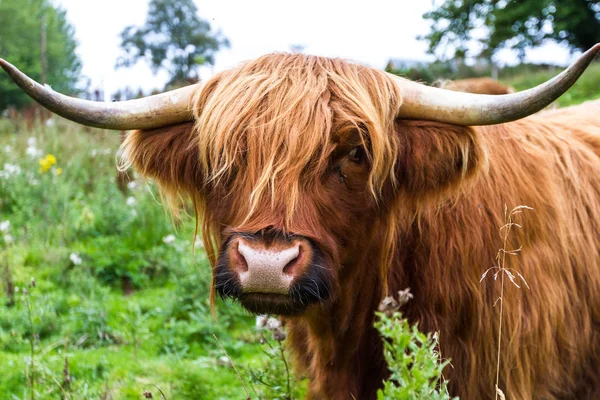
x: 415, y: 364
x: 275, y: 379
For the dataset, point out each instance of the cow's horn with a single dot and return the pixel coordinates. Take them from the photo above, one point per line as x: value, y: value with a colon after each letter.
x: 435, y: 104
x: 149, y: 112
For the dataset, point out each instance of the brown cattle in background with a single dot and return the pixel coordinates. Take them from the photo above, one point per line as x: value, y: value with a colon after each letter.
x: 476, y: 85
x: 322, y: 185
x: 33, y: 115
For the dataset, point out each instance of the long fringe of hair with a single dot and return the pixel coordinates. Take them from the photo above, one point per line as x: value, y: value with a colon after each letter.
x: 265, y: 131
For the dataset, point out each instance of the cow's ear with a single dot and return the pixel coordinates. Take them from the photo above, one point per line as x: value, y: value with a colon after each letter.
x: 168, y: 155
x: 436, y: 159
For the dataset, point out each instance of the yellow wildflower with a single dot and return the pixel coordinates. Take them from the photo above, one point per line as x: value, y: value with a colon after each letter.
x: 59, y: 171
x: 44, y: 165
x: 47, y: 162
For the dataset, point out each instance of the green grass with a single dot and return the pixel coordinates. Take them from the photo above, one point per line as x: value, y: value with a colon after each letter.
x: 134, y: 314
x: 586, y: 88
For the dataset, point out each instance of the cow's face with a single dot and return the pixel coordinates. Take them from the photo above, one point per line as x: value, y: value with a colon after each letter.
x: 294, y: 164
x: 279, y: 259
x: 297, y: 158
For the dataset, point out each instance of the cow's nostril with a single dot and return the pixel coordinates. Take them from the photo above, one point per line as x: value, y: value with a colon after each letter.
x: 290, y: 267
x: 237, y: 260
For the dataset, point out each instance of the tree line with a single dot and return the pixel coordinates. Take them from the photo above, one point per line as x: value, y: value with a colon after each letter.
x: 480, y: 28
x: 37, y: 36
x: 24, y: 26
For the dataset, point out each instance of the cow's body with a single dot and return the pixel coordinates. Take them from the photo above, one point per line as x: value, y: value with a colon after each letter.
x: 271, y: 167
x: 551, y: 332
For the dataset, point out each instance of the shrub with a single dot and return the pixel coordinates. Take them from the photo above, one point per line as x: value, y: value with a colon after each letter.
x: 416, y: 367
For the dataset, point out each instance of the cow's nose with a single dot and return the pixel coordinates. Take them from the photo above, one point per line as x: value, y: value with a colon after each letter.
x: 265, y: 270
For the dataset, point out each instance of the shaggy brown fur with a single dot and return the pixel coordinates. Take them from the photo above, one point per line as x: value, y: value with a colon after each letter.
x: 477, y: 85
x: 271, y: 148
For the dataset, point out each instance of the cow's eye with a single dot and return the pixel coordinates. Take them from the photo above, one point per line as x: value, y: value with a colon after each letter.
x: 357, y: 155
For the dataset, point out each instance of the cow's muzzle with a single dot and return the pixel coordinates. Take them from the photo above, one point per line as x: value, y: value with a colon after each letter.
x: 272, y: 273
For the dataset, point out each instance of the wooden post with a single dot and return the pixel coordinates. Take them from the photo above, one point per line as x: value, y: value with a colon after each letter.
x: 43, y: 67
x: 43, y: 50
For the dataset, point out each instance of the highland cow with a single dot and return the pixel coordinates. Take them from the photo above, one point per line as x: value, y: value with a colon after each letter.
x: 322, y: 185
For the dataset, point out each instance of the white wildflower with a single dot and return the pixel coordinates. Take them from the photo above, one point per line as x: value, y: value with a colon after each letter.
x: 278, y: 334
x: 404, y: 296
x: 273, y: 323
x: 7, y: 149
x: 223, y: 361
x: 32, y: 149
x: 13, y: 169
x: 107, y: 151
x: 8, y: 238
x: 131, y: 201
x: 169, y: 239
x: 75, y: 258
x: 261, y: 321
x: 94, y: 152
x: 132, y: 185
x: 33, y: 152
x: 10, y: 170
x: 4, y: 226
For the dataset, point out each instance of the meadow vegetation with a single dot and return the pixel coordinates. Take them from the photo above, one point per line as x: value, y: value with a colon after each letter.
x: 101, y: 296
x: 586, y: 87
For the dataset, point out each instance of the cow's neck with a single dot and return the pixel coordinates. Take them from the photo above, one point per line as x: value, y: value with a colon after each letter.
x: 337, y: 344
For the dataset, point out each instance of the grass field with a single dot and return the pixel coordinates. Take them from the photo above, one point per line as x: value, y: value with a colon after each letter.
x: 586, y: 88
x: 120, y: 303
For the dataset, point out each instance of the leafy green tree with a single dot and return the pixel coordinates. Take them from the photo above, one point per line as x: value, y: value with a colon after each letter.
x: 512, y: 24
x: 20, y: 43
x: 174, y: 38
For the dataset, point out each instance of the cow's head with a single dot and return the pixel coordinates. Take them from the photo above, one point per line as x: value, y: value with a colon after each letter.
x: 288, y: 161
x: 297, y: 165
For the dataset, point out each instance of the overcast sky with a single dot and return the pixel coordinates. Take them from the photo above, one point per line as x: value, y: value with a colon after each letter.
x: 370, y: 32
